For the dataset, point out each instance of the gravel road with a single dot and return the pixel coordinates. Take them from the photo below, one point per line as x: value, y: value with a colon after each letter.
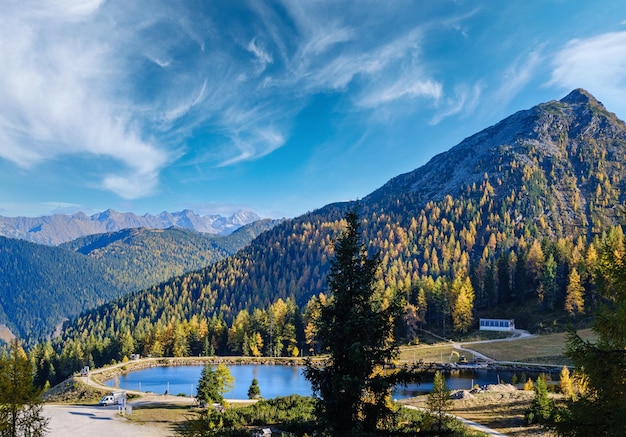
x: 95, y: 421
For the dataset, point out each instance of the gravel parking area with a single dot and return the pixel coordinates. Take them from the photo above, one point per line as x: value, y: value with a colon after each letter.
x: 95, y: 421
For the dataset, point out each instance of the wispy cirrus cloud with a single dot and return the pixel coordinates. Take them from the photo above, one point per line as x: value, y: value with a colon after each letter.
x: 405, y: 87
x: 518, y: 74
x: 255, y: 144
x: 54, y: 95
x: 111, y: 80
x: 464, y: 101
x: 262, y: 57
x: 597, y: 63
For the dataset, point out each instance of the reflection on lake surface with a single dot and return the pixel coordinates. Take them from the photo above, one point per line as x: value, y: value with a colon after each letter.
x: 277, y: 380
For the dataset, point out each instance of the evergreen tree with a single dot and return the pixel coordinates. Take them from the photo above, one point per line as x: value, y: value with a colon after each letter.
x: 356, y: 329
x: 541, y: 408
x: 504, y: 279
x: 547, y: 295
x: 600, y: 409
x: 213, y: 384
x: 438, y: 401
x: 519, y: 281
x: 254, y: 392
x: 20, y: 400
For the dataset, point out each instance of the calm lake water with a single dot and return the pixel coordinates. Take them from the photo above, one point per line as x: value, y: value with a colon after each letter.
x: 280, y: 380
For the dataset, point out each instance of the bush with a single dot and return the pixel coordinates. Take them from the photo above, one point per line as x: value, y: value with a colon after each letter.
x: 528, y: 385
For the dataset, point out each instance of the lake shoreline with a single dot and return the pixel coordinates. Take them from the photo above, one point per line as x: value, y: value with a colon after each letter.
x: 109, y: 372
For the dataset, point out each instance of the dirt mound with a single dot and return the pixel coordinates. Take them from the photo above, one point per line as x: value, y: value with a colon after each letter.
x: 494, y: 388
x: 500, y: 388
x: 462, y: 394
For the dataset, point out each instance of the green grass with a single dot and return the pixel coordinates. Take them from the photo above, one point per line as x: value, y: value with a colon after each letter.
x: 544, y: 349
x: 439, y: 353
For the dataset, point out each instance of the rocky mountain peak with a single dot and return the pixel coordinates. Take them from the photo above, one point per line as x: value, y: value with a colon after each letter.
x: 564, y: 141
x: 580, y: 97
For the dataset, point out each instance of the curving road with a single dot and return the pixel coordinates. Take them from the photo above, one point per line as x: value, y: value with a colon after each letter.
x: 518, y: 334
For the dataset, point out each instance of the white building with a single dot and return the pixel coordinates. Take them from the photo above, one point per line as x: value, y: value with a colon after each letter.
x: 497, y: 324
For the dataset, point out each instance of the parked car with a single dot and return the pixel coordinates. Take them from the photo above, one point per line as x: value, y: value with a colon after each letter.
x: 112, y: 398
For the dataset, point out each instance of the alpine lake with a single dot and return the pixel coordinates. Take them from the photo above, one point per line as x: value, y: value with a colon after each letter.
x: 282, y: 380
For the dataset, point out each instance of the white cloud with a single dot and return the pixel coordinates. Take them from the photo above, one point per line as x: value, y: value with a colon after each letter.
x: 262, y: 57
x: 464, y: 101
x: 515, y: 78
x: 58, y: 93
x: 61, y: 207
x: 255, y: 144
x: 127, y: 86
x: 66, y: 10
x: 322, y: 38
x: 402, y: 88
x: 597, y: 64
x: 161, y: 61
x: 336, y: 70
x: 131, y: 185
x: 344, y: 54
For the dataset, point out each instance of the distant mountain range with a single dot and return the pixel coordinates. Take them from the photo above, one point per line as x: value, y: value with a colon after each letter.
x: 59, y: 228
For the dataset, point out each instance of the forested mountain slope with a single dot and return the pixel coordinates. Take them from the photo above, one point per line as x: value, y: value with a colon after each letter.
x: 508, y: 214
x: 143, y: 257
x: 41, y: 285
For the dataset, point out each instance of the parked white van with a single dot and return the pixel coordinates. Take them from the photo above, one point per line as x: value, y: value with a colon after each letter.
x: 112, y: 398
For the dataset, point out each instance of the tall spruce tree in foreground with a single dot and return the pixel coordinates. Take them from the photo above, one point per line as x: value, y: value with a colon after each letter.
x: 600, y: 410
x: 356, y: 329
x: 20, y: 400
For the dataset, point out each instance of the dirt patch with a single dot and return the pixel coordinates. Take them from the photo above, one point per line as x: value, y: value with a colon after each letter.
x: 500, y: 408
x: 160, y: 415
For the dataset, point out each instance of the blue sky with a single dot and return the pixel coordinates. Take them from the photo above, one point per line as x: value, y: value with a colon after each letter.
x: 278, y: 107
